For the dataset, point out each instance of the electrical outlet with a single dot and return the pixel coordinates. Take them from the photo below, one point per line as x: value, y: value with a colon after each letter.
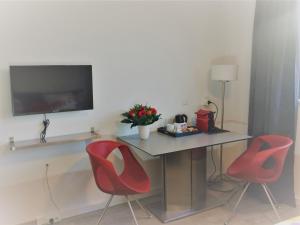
x: 48, y: 220
x: 212, y: 99
x: 203, y: 101
x: 208, y: 98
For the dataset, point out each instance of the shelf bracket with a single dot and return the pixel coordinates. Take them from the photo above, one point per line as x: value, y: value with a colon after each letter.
x: 12, y: 146
x: 93, y: 130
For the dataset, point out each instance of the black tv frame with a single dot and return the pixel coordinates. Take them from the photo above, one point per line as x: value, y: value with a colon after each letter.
x: 49, y: 112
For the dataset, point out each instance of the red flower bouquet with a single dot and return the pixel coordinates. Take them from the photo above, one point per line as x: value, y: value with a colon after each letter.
x: 141, y: 115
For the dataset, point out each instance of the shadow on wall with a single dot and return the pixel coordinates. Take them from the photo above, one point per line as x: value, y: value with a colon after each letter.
x: 124, y: 129
x: 6, y: 108
x: 73, y: 188
x: 9, y: 158
x: 111, y: 125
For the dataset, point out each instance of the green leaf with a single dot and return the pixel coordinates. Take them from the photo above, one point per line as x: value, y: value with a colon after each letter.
x: 126, y: 121
x: 126, y: 114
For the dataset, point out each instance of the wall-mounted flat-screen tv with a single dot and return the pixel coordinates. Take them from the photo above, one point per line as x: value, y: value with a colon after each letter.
x: 51, y: 88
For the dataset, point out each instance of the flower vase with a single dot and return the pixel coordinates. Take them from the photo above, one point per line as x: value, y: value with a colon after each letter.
x: 144, y: 131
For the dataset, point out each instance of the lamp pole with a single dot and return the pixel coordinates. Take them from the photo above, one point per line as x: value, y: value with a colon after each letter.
x: 223, y: 73
x: 222, y: 126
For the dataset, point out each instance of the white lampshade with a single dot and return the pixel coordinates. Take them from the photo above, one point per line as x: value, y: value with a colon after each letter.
x: 224, y: 72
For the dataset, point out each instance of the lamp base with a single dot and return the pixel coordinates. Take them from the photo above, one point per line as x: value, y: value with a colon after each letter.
x: 223, y: 183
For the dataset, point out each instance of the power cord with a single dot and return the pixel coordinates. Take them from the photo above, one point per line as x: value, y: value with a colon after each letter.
x: 49, y: 189
x: 214, y: 165
x: 212, y: 179
x: 46, y: 123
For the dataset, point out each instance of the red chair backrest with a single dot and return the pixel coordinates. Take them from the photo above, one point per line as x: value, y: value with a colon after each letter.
x: 105, y: 175
x: 252, y: 164
x: 279, y: 145
x: 132, y: 180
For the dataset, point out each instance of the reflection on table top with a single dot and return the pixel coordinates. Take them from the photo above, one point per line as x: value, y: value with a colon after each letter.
x: 159, y: 144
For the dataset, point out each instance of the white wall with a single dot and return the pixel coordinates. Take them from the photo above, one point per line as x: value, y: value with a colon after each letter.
x: 142, y: 52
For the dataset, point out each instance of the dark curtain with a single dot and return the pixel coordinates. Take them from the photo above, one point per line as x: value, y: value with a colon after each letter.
x: 274, y: 83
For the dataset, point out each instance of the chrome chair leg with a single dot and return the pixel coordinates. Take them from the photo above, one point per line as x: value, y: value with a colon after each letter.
x: 143, y: 208
x: 234, y: 192
x: 131, y: 210
x: 271, y: 201
x: 237, y: 204
x: 105, y: 209
x: 272, y: 196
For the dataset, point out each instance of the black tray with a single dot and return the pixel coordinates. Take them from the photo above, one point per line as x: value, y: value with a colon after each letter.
x: 217, y: 130
x: 163, y: 130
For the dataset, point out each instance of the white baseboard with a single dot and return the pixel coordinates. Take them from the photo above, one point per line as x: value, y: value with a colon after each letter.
x: 67, y: 213
x: 76, y: 211
x: 91, y: 208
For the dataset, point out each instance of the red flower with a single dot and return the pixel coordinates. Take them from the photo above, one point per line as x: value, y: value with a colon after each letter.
x: 153, y: 111
x: 141, y: 113
x: 131, y: 113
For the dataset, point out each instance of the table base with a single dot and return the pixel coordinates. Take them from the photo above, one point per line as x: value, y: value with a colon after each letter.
x: 155, y: 205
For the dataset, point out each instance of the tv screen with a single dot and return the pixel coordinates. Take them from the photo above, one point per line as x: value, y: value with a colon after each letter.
x: 50, y: 89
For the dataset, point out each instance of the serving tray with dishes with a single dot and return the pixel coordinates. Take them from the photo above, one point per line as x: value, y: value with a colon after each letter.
x: 190, y: 130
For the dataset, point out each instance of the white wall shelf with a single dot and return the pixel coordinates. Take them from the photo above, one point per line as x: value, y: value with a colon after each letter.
x: 57, y: 140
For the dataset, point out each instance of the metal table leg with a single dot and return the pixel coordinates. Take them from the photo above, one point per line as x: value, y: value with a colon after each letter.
x: 184, y: 186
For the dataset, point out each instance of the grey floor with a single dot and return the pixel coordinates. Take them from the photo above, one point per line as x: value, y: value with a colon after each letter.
x: 250, y: 212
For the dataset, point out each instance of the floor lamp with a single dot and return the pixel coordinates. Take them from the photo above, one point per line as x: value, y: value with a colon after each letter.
x: 223, y: 74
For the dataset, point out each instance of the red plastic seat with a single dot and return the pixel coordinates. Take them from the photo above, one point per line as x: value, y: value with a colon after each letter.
x: 252, y: 165
x: 132, y: 180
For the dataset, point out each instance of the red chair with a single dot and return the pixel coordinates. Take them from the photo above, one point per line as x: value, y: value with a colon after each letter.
x: 251, y: 165
x: 133, y: 179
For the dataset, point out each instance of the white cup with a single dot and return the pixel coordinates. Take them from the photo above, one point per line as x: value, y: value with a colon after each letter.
x: 171, y: 128
x: 180, y: 127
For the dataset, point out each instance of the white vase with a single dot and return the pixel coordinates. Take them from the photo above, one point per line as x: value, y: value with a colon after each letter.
x: 144, y: 132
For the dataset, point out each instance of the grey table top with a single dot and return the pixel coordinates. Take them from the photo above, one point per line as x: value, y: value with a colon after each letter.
x: 159, y: 144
